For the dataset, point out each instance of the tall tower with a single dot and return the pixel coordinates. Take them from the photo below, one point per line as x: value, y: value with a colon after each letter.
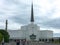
x: 32, y: 13
x: 6, y: 25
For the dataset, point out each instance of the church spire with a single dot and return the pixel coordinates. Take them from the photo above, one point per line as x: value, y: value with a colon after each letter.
x: 32, y: 15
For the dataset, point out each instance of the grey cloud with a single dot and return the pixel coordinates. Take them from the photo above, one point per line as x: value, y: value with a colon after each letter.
x: 11, y: 2
x: 56, y: 34
x: 22, y: 19
x: 53, y: 23
x: 51, y: 12
x: 1, y: 27
x: 50, y: 1
x: 1, y: 13
x: 22, y: 14
x: 15, y: 2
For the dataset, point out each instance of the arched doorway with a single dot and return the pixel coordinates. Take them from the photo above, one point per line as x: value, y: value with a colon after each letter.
x: 23, y: 41
x: 17, y: 42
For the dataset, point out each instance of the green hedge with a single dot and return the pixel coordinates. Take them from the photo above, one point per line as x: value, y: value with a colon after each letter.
x: 5, y: 35
x: 1, y: 37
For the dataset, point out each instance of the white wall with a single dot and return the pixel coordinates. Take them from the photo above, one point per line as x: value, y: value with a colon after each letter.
x: 46, y: 34
x: 16, y: 34
x: 28, y: 30
x: 31, y: 29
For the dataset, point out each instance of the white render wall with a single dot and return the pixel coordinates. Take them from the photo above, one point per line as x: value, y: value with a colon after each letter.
x: 16, y: 34
x: 46, y: 34
x: 28, y: 30
x: 31, y: 29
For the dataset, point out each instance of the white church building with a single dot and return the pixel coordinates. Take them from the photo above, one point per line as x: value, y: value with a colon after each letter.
x: 30, y: 31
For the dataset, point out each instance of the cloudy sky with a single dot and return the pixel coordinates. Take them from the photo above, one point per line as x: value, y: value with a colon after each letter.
x: 17, y: 12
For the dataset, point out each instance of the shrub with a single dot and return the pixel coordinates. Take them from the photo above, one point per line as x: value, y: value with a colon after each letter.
x: 5, y: 35
x: 1, y: 37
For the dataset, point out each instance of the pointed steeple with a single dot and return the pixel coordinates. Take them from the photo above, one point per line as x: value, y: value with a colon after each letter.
x: 6, y: 25
x: 32, y: 13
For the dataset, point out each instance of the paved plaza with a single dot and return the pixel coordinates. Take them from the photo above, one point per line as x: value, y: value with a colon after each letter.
x: 31, y: 43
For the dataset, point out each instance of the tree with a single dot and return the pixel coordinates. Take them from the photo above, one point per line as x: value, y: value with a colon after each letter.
x: 1, y: 37
x: 5, y: 35
x: 59, y: 40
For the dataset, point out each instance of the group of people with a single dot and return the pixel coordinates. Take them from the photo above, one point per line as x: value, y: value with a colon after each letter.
x: 21, y: 42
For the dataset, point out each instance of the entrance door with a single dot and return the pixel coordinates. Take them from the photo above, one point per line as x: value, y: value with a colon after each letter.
x: 23, y: 41
x: 18, y: 43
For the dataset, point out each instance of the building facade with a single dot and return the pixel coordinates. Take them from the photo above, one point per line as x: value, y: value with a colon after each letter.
x: 30, y: 31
